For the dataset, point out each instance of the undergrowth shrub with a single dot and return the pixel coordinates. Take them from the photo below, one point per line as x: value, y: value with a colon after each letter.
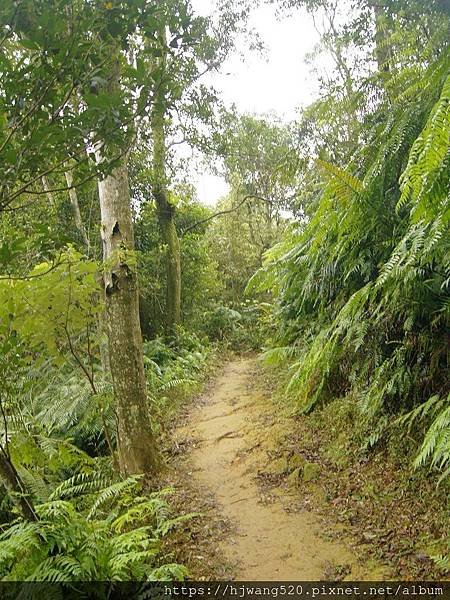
x: 59, y: 434
x: 174, y: 369
x: 243, y: 326
x: 89, y: 531
x: 363, y: 286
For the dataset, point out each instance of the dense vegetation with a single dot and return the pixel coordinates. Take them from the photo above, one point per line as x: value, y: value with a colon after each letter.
x: 362, y: 289
x: 331, y: 251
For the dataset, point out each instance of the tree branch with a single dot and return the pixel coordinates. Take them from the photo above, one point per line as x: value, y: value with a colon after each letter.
x: 224, y: 212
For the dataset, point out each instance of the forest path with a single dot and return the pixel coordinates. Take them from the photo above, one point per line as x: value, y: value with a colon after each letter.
x: 234, y: 435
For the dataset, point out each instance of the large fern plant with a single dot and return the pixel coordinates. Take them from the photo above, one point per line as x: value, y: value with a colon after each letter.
x: 362, y: 287
x: 89, y: 531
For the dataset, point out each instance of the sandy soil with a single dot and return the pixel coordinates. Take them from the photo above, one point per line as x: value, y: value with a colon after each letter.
x: 233, y: 436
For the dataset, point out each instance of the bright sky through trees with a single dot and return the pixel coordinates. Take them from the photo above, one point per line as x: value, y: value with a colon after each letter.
x: 277, y: 81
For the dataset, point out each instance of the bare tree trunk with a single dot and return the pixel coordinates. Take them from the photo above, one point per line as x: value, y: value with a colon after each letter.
x: 46, y: 187
x: 15, y: 487
x: 76, y: 210
x: 173, y: 268
x: 166, y: 214
x: 136, y: 442
x: 382, y: 50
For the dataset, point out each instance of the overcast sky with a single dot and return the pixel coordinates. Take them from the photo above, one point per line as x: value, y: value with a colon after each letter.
x: 280, y: 82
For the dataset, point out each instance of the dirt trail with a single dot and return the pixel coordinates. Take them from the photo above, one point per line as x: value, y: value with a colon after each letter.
x: 232, y: 444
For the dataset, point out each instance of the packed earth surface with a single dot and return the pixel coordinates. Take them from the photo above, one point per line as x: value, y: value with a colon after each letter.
x: 234, y: 437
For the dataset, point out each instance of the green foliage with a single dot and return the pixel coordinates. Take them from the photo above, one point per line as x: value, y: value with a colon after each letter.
x: 174, y: 370
x: 47, y: 65
x: 67, y: 406
x: 360, y: 279
x: 90, y: 524
x: 77, y: 79
x: 222, y: 321
x: 260, y: 157
x: 362, y: 285
x: 88, y: 532
x: 199, y: 277
x: 52, y: 304
x: 243, y: 327
x: 238, y: 240
x: 436, y: 444
x: 442, y: 561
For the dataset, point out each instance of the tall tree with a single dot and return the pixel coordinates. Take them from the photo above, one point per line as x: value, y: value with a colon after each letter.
x: 189, y: 47
x: 165, y: 209
x: 72, y: 84
x: 136, y: 442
